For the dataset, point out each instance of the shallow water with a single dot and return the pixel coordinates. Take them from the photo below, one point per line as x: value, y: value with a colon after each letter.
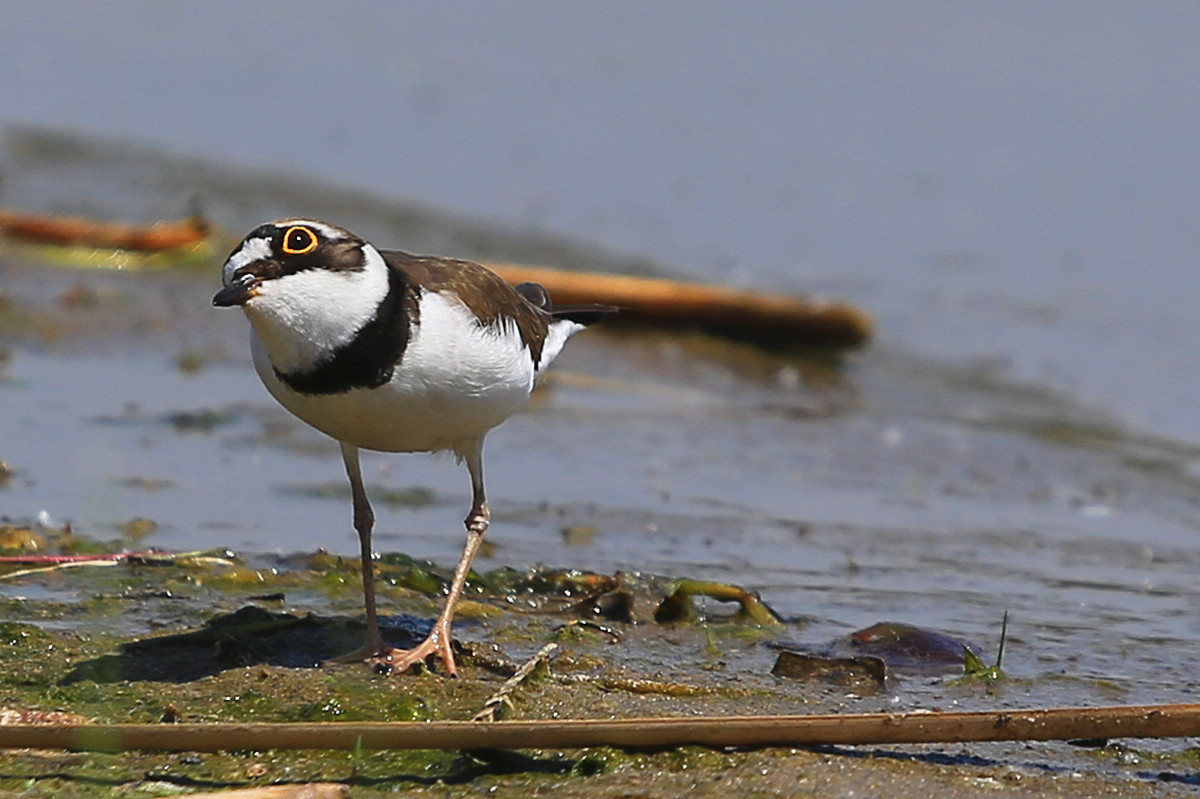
x: 884, y: 487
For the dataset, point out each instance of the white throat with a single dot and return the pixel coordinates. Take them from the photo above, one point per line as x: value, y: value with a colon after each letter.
x: 303, y: 318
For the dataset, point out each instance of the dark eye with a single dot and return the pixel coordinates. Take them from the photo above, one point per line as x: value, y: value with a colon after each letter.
x: 298, y: 240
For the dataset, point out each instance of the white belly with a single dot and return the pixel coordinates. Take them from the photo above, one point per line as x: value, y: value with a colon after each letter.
x: 454, y: 382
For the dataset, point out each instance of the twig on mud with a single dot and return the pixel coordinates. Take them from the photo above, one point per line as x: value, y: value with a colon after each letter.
x: 494, y: 706
x: 306, y: 790
x: 57, y: 560
x: 638, y: 685
x: 60, y: 562
x: 586, y: 624
x: 74, y: 564
x: 1056, y: 724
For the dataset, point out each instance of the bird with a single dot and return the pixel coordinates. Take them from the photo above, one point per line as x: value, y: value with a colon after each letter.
x: 387, y: 351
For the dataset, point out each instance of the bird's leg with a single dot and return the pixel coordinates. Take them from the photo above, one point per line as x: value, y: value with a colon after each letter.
x: 364, y: 521
x: 438, y: 642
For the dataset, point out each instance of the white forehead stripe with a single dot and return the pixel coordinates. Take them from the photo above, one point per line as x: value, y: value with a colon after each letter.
x: 251, y: 250
x: 326, y: 231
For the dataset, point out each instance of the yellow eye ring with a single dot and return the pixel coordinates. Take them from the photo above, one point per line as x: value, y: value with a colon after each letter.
x: 299, y: 240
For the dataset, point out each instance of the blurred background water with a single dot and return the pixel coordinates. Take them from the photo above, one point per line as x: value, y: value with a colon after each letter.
x: 1010, y: 189
x: 1015, y: 182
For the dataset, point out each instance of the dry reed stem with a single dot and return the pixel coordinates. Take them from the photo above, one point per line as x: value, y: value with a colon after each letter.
x: 493, y: 708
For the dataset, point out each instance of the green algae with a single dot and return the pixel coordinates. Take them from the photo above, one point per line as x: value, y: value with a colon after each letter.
x: 88, y: 664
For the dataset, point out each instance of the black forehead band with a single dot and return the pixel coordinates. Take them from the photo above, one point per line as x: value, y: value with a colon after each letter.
x: 269, y: 232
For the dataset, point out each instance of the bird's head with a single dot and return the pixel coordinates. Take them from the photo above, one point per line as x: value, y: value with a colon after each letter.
x: 280, y: 253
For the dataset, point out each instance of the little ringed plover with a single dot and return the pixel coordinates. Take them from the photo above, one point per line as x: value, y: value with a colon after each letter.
x: 388, y: 351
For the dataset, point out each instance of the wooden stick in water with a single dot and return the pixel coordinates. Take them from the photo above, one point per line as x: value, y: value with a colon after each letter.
x: 74, y: 231
x: 747, y: 315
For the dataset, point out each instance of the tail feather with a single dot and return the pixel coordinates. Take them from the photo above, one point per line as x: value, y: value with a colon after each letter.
x: 584, y: 314
x: 535, y: 294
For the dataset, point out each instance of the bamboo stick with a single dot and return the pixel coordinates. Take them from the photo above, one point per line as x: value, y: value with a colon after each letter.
x: 747, y: 315
x: 1136, y: 721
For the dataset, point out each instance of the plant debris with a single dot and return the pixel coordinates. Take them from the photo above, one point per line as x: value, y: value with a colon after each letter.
x: 677, y: 606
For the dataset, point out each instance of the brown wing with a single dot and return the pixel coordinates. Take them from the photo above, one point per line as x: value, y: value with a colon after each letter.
x: 481, y: 290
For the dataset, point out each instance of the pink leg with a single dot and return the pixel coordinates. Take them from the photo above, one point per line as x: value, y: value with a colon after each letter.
x: 438, y: 642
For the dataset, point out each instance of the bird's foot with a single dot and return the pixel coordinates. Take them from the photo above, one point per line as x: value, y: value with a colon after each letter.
x: 399, y: 661
x: 386, y: 659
